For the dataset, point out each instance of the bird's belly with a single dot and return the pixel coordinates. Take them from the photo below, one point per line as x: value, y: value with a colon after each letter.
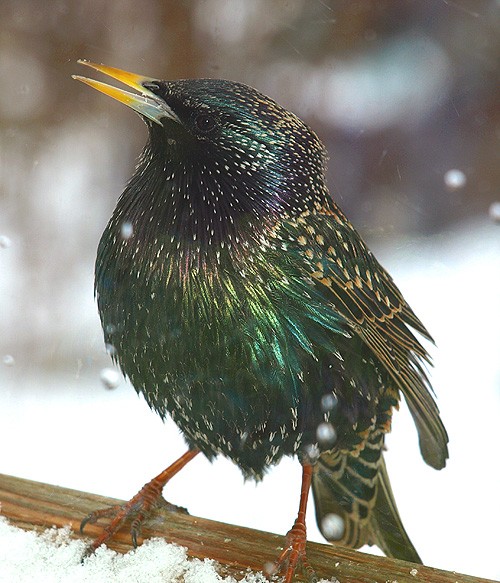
x: 245, y: 429
x: 253, y: 425
x: 229, y: 373
x: 222, y: 403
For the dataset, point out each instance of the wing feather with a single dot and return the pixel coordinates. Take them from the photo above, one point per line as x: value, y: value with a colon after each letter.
x: 364, y: 294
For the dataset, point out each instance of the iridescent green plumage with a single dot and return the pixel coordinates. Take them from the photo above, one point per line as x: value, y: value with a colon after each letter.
x: 241, y: 300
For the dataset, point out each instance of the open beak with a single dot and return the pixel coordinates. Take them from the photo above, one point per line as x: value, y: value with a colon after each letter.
x: 146, y: 102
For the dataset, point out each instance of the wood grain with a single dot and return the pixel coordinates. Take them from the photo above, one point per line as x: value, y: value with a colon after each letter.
x: 36, y: 506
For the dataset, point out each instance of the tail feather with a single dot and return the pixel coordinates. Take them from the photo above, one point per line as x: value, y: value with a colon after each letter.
x: 387, y: 529
x: 357, y: 489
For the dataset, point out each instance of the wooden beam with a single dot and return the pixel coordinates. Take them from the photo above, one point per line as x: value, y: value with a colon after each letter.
x: 36, y: 506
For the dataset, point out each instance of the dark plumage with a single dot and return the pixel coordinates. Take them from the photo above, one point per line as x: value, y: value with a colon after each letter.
x: 241, y: 301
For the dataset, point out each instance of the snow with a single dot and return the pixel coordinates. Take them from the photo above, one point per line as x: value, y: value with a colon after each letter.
x: 455, y: 179
x: 55, y: 558
x: 494, y: 211
x: 62, y: 427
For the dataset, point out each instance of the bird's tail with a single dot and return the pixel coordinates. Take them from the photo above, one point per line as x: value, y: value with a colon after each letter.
x: 357, y: 489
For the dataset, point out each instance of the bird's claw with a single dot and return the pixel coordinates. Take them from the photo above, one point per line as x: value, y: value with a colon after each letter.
x: 118, y: 515
x: 294, y: 555
x: 137, y: 508
x: 94, y: 516
x: 166, y: 505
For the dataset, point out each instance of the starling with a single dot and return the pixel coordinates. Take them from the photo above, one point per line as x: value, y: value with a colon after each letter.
x: 241, y: 301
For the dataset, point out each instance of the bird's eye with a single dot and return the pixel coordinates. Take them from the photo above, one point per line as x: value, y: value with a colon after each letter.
x: 205, y: 122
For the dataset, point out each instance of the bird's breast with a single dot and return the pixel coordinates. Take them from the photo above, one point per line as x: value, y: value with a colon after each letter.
x: 187, y: 330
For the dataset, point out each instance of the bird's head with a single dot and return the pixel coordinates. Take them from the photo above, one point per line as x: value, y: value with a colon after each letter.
x: 225, y: 143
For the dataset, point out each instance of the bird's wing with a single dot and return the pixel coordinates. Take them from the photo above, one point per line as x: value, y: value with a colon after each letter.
x: 350, y: 277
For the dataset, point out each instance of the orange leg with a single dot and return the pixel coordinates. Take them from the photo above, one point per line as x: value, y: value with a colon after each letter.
x: 295, y: 552
x: 147, y: 497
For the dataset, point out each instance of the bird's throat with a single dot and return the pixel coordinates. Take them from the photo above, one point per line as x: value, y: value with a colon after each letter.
x: 186, y: 204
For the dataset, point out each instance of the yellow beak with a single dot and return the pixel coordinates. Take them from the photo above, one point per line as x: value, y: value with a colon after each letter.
x: 146, y: 102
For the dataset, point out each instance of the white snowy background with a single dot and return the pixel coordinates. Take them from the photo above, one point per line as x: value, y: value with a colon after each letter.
x: 406, y: 102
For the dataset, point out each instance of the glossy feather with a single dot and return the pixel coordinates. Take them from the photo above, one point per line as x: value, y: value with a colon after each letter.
x: 242, y: 300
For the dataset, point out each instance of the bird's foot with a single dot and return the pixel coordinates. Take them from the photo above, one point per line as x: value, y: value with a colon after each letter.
x: 294, y: 555
x: 148, y: 498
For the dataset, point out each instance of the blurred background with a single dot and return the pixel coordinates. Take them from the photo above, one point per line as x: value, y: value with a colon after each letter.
x: 405, y: 96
